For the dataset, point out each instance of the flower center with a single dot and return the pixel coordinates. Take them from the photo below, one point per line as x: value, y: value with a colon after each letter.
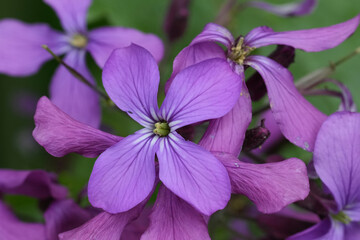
x: 341, y: 217
x: 162, y: 129
x: 239, y: 52
x: 79, y: 41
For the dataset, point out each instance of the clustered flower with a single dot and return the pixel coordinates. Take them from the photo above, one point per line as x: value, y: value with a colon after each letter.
x: 166, y: 180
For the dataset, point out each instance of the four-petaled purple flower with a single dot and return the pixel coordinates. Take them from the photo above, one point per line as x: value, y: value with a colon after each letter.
x: 21, y: 54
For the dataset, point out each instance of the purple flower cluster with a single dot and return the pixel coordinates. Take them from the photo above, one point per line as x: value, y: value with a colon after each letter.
x: 190, y: 179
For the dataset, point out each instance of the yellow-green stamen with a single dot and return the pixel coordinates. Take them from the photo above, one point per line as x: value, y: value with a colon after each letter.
x: 79, y: 41
x: 239, y: 52
x: 341, y: 217
x: 162, y: 129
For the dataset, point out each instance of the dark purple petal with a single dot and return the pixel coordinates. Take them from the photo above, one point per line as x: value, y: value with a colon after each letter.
x: 194, y: 54
x: 196, y: 94
x: 215, y: 33
x: 73, y: 96
x: 299, y: 121
x: 311, y: 40
x: 193, y: 174
x: 131, y: 78
x: 347, y: 102
x: 325, y: 230
x: 124, y: 175
x: 103, y: 41
x: 352, y: 231
x: 59, y: 134
x: 72, y: 14
x: 174, y: 219
x: 336, y: 158
x: 303, y: 7
x: 21, y: 46
x: 35, y: 183
x: 13, y: 229
x: 226, y: 134
x: 176, y: 19
x: 271, y: 186
x: 62, y: 216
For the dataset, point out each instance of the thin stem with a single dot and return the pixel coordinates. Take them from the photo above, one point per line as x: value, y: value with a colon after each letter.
x: 77, y: 75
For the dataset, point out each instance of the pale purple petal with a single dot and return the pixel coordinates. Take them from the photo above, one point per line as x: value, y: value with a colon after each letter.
x: 124, y: 175
x: 73, y: 96
x: 271, y: 186
x: 297, y: 118
x: 21, y: 46
x: 131, y: 78
x: 194, y: 54
x: 196, y: 94
x: 226, y: 134
x: 352, y: 231
x: 62, y: 216
x: 72, y: 13
x: 103, y: 41
x: 34, y: 183
x: 311, y: 40
x: 174, y: 219
x: 325, y: 230
x: 215, y: 33
x: 336, y: 157
x: 60, y: 134
x: 13, y: 229
x: 193, y: 174
x: 303, y: 7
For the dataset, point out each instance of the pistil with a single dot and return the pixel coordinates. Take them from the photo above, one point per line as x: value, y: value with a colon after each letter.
x: 239, y: 52
x: 162, y: 129
x: 341, y: 217
x: 78, y: 41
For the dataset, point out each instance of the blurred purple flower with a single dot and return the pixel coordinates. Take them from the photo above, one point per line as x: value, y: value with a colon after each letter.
x: 336, y: 158
x: 176, y: 19
x: 22, y: 54
x: 300, y: 8
x: 298, y: 120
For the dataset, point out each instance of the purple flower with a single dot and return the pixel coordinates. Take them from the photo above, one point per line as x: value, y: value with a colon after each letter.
x: 336, y: 158
x: 22, y: 54
x: 298, y: 120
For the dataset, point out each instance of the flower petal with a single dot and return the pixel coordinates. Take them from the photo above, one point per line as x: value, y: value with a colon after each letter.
x: 172, y: 218
x: 34, y: 183
x: 13, y: 229
x: 214, y: 33
x: 352, y: 231
x: 325, y: 230
x: 299, y: 121
x: 72, y: 14
x: 59, y: 134
x: 337, y: 143
x: 193, y: 174
x: 310, y: 40
x: 194, y: 54
x: 227, y: 134
x: 196, y: 94
x: 271, y: 186
x: 124, y: 175
x: 103, y: 41
x: 303, y: 7
x: 62, y: 216
x: 20, y: 46
x: 73, y: 96
x: 131, y: 78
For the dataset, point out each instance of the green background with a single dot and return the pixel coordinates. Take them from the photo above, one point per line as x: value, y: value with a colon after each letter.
x: 19, y: 151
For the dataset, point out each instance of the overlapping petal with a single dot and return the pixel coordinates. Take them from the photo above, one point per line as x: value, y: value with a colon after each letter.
x: 336, y: 157
x: 131, y: 78
x: 311, y: 40
x: 103, y: 41
x: 298, y: 119
x: 270, y: 186
x: 288, y: 9
x: 73, y: 96
x: 193, y: 174
x: 72, y: 14
x: 35, y: 183
x: 124, y: 175
x: 174, y: 219
x: 21, y: 46
x: 196, y: 94
x: 215, y: 33
x: 60, y: 134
